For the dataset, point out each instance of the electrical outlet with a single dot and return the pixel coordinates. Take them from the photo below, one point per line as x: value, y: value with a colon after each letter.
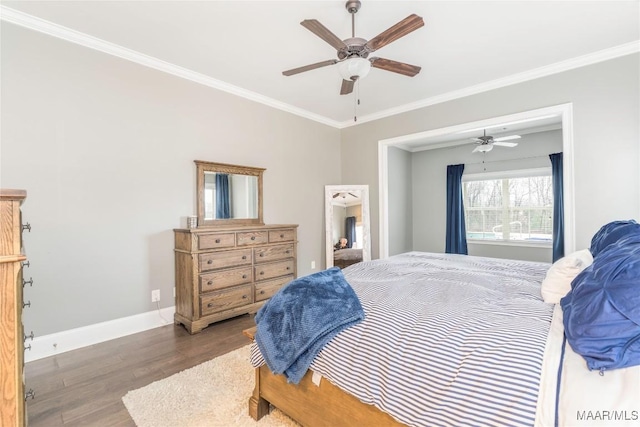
x: 155, y: 295
x: 313, y: 265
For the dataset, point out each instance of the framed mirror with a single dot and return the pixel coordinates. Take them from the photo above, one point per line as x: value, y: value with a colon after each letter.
x: 347, y: 227
x: 228, y: 194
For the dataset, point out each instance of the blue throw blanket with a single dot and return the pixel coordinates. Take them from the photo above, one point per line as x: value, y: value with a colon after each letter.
x: 294, y: 325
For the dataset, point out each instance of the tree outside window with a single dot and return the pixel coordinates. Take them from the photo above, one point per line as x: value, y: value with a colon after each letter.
x: 509, y: 209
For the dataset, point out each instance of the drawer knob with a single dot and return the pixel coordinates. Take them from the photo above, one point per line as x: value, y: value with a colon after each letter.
x: 287, y: 252
x: 244, y: 276
x: 210, y: 261
x: 28, y: 336
x: 217, y: 240
x: 282, y: 236
x: 27, y: 227
x: 253, y: 237
x: 210, y: 305
x: 262, y: 273
x: 244, y: 257
x: 30, y: 282
x: 261, y: 255
x: 288, y: 268
x: 244, y: 297
x: 26, y: 264
x: 210, y: 283
x: 26, y: 304
x: 261, y: 292
x: 30, y: 394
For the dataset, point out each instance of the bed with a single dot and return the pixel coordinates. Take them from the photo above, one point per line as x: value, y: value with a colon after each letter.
x: 345, y: 257
x: 450, y: 340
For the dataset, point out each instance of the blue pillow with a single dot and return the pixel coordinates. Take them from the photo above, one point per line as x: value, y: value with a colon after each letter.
x: 602, y: 310
x: 611, y: 233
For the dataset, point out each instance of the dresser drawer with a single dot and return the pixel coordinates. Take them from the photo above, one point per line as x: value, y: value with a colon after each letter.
x: 225, y: 300
x: 252, y: 238
x: 216, y: 240
x: 284, y: 235
x: 267, y: 288
x: 217, y: 260
x: 272, y: 253
x: 274, y: 269
x: 225, y: 278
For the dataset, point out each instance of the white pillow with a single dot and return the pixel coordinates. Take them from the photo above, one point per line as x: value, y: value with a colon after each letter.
x: 557, y: 283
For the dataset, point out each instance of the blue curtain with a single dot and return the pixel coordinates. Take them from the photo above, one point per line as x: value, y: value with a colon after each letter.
x: 223, y: 210
x: 456, y: 232
x: 351, y: 230
x: 558, y: 206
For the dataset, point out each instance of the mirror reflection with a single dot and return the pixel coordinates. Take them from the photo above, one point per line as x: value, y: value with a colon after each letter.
x: 229, y: 196
x: 347, y: 225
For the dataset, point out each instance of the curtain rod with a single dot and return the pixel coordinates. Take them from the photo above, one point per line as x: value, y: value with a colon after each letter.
x: 507, y: 160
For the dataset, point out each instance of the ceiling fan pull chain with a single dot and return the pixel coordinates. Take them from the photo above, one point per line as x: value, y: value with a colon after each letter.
x: 355, y: 109
x: 356, y: 100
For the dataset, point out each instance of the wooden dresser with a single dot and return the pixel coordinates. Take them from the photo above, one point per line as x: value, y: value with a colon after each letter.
x: 222, y: 272
x: 12, y: 397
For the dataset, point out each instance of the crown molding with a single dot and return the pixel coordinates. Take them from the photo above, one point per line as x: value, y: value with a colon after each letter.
x: 31, y: 22
x: 46, y: 27
x: 536, y: 73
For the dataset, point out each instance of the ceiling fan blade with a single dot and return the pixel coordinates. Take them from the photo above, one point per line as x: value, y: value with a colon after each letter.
x: 475, y: 150
x: 321, y: 31
x: 353, y: 195
x: 401, y: 29
x: 395, y: 66
x: 347, y: 87
x: 336, y: 195
x: 507, y: 138
x: 478, y: 140
x: 309, y: 67
x: 505, y: 144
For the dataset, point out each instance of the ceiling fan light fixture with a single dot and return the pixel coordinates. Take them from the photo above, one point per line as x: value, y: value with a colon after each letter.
x: 484, y: 148
x: 354, y: 68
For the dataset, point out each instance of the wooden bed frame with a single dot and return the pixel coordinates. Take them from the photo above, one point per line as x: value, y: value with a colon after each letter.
x: 311, y: 405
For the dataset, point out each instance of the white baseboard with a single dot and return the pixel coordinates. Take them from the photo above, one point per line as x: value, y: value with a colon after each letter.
x: 60, y: 342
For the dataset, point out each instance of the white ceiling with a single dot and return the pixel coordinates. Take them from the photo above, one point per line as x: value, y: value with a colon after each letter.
x: 243, y: 46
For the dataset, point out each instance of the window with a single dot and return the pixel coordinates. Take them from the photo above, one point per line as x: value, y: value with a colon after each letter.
x: 515, y: 206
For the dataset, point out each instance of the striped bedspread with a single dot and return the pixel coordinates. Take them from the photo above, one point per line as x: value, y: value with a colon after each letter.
x: 448, y: 340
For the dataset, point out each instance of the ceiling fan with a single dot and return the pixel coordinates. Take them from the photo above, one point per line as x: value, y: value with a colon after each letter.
x: 353, y: 52
x: 344, y: 195
x: 486, y: 142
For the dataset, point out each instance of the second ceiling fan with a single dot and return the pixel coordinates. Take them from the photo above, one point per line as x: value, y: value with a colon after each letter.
x: 353, y: 62
x: 486, y: 142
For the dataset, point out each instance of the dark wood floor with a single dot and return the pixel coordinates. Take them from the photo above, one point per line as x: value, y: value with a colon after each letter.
x: 84, y: 387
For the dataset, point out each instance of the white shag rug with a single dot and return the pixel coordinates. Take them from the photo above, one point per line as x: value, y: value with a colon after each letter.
x: 214, y: 393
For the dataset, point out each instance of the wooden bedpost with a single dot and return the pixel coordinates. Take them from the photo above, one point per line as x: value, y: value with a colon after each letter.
x: 258, y: 406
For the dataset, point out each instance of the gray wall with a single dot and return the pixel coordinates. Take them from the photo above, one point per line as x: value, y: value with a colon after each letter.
x: 339, y: 215
x: 606, y: 129
x: 105, y: 149
x: 400, y: 201
x: 429, y: 181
